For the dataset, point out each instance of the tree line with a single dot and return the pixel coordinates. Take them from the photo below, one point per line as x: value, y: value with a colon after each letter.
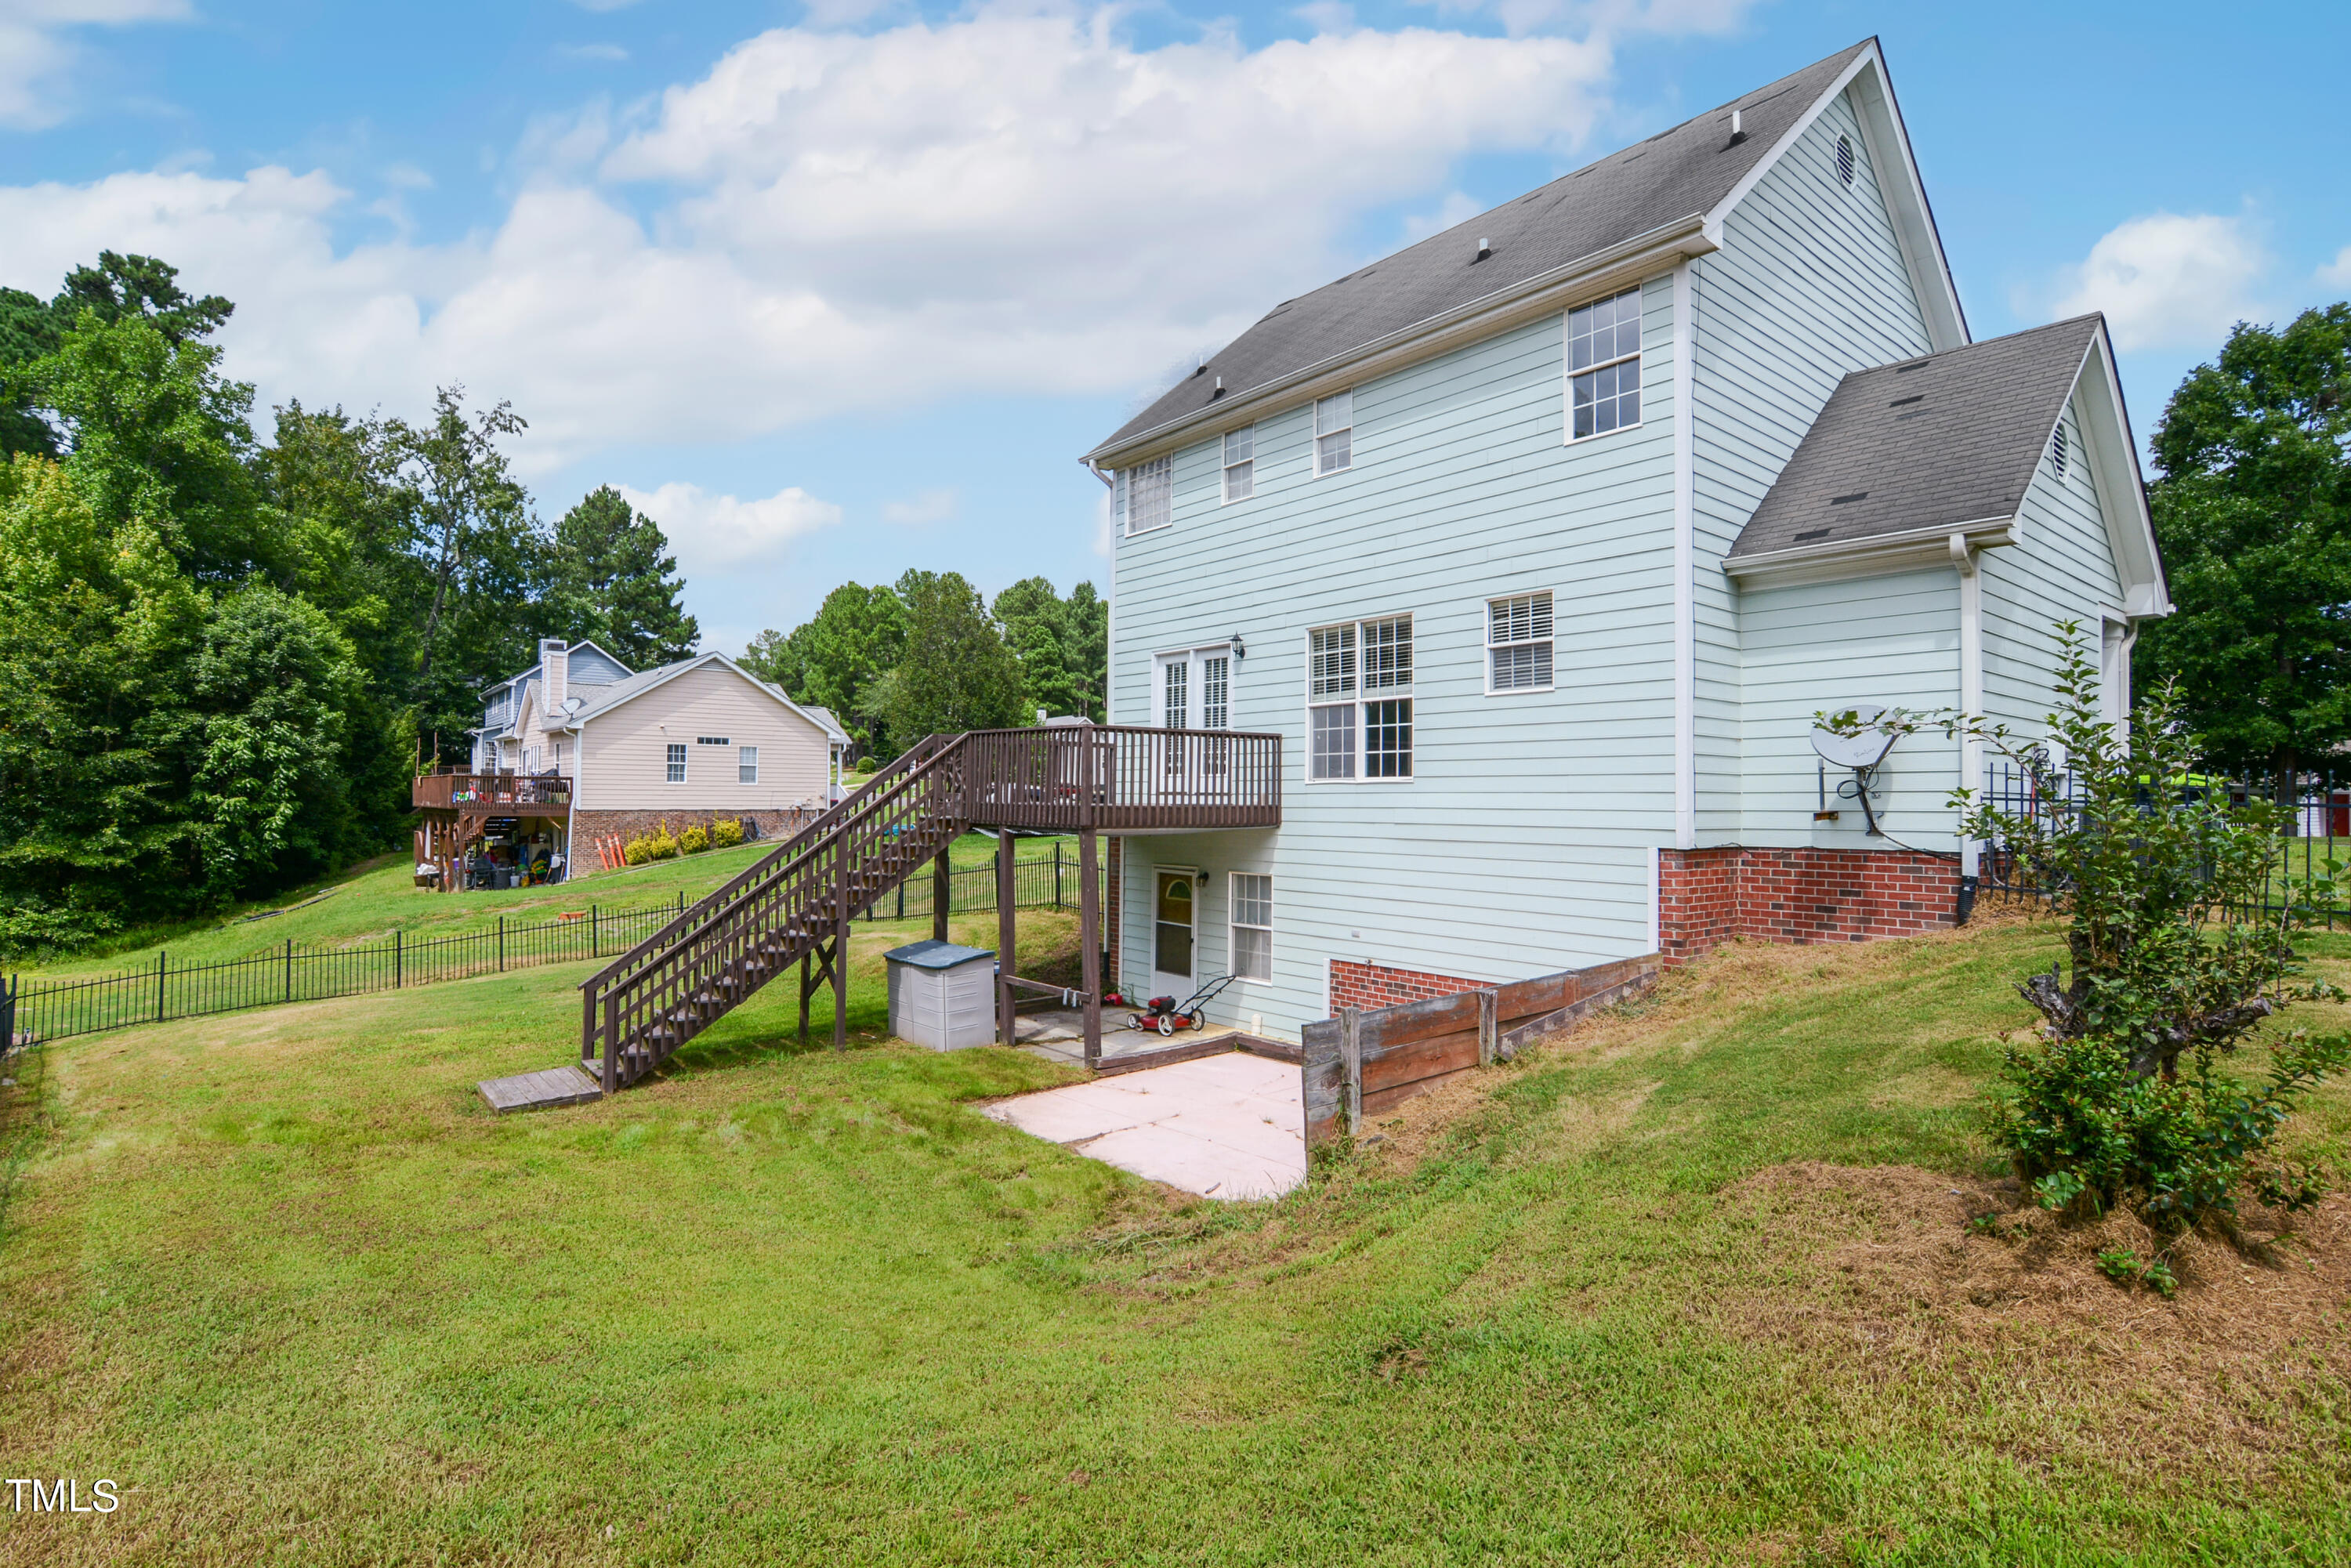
x: 224, y: 655
x: 931, y: 655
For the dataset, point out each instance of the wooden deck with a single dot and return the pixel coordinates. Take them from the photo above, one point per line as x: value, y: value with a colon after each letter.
x: 491, y: 794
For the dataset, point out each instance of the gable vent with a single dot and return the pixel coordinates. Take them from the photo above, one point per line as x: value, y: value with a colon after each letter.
x: 1844, y: 159
x: 2057, y: 452
x: 1841, y: 500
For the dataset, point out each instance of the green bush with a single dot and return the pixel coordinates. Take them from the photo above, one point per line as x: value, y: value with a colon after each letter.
x: 638, y: 851
x: 662, y: 845
x: 725, y: 833
x: 2124, y: 1099
x: 694, y: 841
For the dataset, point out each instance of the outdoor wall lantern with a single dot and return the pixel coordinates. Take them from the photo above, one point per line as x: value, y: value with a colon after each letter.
x: 1240, y: 652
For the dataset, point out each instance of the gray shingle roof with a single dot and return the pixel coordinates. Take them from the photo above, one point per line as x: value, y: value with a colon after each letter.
x: 1924, y: 443
x: 1673, y: 174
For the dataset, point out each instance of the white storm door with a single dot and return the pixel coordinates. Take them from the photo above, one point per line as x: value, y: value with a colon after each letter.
x: 1174, y: 924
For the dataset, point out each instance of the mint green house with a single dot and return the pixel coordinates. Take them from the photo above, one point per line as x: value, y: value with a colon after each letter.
x: 1542, y: 541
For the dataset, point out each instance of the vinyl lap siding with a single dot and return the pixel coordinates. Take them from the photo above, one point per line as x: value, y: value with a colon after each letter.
x: 624, y: 765
x: 1523, y: 843
x: 1810, y: 285
x: 1891, y: 640
x: 2064, y: 570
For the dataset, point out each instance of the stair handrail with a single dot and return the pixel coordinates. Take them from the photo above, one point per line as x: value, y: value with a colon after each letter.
x: 921, y: 756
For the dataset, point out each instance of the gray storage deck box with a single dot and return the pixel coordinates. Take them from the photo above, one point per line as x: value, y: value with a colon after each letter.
x: 942, y: 996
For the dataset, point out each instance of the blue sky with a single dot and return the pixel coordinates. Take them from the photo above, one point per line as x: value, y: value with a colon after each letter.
x: 838, y: 288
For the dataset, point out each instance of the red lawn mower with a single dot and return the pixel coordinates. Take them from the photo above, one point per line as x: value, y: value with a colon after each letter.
x: 1167, y: 1015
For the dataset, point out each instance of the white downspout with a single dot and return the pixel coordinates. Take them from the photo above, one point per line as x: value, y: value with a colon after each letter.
x: 1971, y: 699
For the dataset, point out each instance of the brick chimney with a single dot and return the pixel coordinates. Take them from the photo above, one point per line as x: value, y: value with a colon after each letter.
x: 555, y: 676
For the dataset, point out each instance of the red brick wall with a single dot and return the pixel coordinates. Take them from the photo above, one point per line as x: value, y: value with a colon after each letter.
x: 1358, y: 985
x: 1798, y: 896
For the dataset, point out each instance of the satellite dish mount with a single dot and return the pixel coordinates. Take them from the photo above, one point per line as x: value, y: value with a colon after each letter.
x: 1863, y: 753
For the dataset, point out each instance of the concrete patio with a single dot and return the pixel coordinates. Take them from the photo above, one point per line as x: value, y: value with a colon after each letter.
x: 1226, y: 1126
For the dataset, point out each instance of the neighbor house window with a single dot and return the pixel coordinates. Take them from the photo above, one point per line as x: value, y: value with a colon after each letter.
x: 1252, y: 948
x: 713, y: 741
x: 1241, y: 463
x: 1518, y: 643
x: 677, y: 763
x: 530, y: 759
x: 1367, y: 666
x: 1334, y: 432
x: 1603, y: 365
x: 1146, y: 495
x: 746, y: 765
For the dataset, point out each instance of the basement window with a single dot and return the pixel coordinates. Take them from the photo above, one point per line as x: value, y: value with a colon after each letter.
x: 1603, y: 365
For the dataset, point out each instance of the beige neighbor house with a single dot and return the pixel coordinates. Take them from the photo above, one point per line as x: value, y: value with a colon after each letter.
x: 579, y: 747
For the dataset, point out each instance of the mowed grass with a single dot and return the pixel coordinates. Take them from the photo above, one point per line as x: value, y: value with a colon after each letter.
x: 371, y: 902
x: 284, y: 1278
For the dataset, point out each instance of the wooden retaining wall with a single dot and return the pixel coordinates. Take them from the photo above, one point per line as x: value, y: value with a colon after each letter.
x: 1364, y: 1060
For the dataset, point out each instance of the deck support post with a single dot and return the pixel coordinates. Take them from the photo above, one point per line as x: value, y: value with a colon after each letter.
x: 841, y: 960
x: 1088, y: 942
x: 942, y: 893
x: 804, y: 996
x: 1005, y: 933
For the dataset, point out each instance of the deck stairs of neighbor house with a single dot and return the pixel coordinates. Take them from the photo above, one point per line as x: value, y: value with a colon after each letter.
x: 794, y: 906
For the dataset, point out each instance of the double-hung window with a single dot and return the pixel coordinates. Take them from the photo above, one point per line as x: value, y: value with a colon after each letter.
x: 746, y: 764
x: 1240, y: 463
x: 1175, y: 693
x: 1334, y: 432
x: 678, y: 762
x: 1359, y: 700
x: 1146, y: 495
x: 1603, y: 365
x: 1518, y: 643
x: 1252, y: 904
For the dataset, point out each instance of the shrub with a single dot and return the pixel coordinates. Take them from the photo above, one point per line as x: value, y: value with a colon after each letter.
x: 638, y: 851
x: 662, y: 845
x: 694, y: 841
x: 725, y: 833
x: 2161, y: 882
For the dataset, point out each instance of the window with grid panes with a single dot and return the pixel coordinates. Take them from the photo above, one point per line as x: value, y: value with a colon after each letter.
x: 1603, y: 365
x: 1331, y: 674
x: 677, y: 763
x: 1369, y: 662
x: 1334, y: 432
x: 1517, y: 642
x: 1146, y: 495
x: 1241, y: 463
x: 1253, y: 904
x: 1175, y: 683
x: 746, y: 765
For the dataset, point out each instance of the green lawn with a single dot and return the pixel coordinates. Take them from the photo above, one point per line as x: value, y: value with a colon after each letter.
x: 368, y: 904
x: 282, y: 1277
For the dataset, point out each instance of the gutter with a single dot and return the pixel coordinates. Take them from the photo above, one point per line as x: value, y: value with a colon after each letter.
x: 1981, y: 533
x: 1643, y: 254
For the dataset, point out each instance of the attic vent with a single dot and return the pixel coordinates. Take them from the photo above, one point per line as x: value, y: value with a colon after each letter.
x: 1485, y: 249
x: 1809, y: 535
x: 1914, y: 397
x: 1841, y: 500
x: 1844, y: 159
x: 2057, y: 452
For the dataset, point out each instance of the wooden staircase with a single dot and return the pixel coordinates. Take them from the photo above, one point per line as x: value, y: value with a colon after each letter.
x: 795, y: 904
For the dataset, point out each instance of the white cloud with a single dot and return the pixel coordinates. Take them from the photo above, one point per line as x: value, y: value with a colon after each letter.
x: 929, y: 506
x: 2168, y: 279
x: 38, y: 52
x: 2338, y: 273
x: 1014, y: 202
x: 1455, y: 208
x: 712, y: 533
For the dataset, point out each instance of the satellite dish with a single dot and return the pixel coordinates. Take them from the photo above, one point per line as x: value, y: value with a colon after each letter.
x: 1866, y: 749
x: 573, y: 705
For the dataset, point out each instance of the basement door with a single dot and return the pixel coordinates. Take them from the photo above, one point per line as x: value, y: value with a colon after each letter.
x: 1171, y: 939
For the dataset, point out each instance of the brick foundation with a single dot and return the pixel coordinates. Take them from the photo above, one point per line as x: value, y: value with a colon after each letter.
x: 589, y: 826
x: 1360, y: 985
x: 1706, y: 897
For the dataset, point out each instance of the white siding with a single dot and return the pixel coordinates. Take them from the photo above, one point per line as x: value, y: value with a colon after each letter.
x: 1810, y: 285
x: 1523, y: 843
x: 2063, y: 569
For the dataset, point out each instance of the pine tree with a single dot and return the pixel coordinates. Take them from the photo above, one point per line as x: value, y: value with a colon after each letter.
x: 613, y: 580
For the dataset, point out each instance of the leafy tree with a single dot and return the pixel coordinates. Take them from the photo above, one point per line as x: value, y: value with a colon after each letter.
x: 612, y: 580
x: 2253, y: 510
x: 2125, y: 1097
x: 1085, y: 648
x: 957, y: 672
x: 1037, y: 627
x: 857, y: 636
x: 119, y: 286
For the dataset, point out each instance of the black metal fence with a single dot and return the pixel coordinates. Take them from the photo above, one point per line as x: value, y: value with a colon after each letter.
x: 40, y: 1010
x: 2322, y: 831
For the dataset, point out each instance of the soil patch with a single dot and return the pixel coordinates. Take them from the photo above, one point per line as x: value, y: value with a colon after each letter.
x: 1879, y: 1267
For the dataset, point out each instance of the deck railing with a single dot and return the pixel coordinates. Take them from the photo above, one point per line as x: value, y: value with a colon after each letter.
x: 494, y: 793
x: 1122, y: 778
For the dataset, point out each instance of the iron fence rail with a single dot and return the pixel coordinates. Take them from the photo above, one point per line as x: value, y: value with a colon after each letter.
x: 37, y: 1010
x: 2322, y: 824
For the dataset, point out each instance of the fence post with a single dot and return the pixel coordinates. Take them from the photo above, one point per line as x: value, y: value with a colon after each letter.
x: 1351, y: 1062
x: 595, y: 942
x: 502, y: 943
x: 399, y: 954
x: 1057, y: 874
x: 289, y: 969
x: 162, y: 957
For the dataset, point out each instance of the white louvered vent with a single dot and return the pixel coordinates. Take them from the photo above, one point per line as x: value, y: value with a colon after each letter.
x: 1844, y: 159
